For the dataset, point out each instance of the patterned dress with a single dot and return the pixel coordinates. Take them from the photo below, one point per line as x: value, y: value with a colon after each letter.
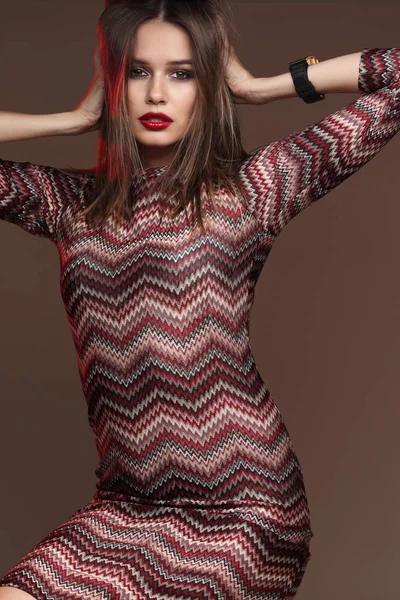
x: 199, y: 492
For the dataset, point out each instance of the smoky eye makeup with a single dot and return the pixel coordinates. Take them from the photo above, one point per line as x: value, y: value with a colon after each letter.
x: 186, y: 73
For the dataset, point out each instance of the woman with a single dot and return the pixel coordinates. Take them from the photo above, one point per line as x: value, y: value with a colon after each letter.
x: 200, y: 493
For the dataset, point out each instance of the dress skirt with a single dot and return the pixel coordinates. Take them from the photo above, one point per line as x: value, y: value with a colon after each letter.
x: 118, y: 549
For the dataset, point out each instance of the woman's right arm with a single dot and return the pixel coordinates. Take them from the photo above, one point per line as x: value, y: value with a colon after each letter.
x: 35, y: 196
x: 85, y: 117
x: 20, y: 126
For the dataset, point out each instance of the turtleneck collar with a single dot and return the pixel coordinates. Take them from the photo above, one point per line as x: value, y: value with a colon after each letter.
x: 150, y: 172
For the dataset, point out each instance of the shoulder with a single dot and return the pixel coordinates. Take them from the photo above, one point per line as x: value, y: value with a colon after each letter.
x: 66, y: 181
x: 257, y: 171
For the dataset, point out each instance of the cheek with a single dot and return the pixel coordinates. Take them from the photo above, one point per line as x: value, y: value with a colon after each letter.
x: 135, y: 96
x: 187, y: 101
x: 130, y: 98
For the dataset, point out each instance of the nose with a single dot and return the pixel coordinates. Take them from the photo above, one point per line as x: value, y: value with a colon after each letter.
x: 156, y: 91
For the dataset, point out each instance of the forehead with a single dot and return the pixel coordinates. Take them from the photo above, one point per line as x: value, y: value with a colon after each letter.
x: 160, y: 41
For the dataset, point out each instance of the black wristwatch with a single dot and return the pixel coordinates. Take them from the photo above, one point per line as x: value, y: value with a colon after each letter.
x: 304, y: 88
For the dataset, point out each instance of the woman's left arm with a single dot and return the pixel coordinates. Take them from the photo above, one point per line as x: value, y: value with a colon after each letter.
x: 335, y: 75
x: 287, y: 175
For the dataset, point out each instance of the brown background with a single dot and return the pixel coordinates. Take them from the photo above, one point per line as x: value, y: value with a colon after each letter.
x: 325, y: 329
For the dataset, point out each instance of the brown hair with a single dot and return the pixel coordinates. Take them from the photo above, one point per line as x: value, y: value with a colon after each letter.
x: 207, y: 154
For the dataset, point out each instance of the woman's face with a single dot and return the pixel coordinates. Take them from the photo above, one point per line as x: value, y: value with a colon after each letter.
x: 157, y: 85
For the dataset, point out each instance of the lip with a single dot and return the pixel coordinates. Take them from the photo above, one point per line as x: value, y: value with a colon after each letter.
x: 153, y: 126
x: 160, y: 115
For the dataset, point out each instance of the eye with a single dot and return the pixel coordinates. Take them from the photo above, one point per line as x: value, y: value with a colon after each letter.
x: 132, y: 71
x: 188, y: 75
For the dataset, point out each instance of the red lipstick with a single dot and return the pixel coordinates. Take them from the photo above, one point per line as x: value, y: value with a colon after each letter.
x: 155, y: 125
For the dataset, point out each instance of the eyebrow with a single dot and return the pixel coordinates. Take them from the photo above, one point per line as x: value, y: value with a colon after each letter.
x: 171, y: 62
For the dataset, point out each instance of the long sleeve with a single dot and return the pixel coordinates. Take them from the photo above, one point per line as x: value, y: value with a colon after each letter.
x: 284, y: 177
x: 33, y: 197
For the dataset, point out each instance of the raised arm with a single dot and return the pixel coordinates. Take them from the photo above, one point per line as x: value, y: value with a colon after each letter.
x: 282, y: 178
x: 34, y: 196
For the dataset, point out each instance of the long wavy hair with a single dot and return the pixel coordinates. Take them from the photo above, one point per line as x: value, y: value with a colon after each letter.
x: 208, y: 154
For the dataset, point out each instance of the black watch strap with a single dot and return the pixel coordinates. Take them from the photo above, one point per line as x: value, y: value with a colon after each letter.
x: 304, y: 88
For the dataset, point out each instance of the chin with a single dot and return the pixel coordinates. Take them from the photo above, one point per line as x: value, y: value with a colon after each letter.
x: 156, y: 138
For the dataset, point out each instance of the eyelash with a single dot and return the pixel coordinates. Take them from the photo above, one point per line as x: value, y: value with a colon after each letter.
x: 189, y: 75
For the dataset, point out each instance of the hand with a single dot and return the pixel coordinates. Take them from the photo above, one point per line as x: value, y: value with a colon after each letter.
x: 90, y: 108
x: 240, y: 80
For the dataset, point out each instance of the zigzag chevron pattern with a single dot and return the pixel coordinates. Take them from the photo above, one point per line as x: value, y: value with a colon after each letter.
x: 200, y: 494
